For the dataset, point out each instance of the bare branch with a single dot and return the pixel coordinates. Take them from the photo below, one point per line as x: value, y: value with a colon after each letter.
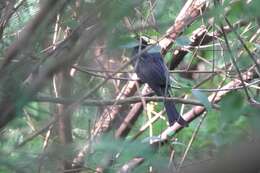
x: 189, y: 13
x: 129, y: 166
x: 121, y: 101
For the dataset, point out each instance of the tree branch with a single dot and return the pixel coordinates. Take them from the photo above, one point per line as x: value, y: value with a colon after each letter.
x: 196, y: 111
x: 125, y: 101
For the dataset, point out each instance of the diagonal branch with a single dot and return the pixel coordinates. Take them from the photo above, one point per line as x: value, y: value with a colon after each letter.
x: 215, y: 97
x: 200, y: 36
x: 130, y: 165
x: 189, y: 13
x: 244, y: 45
x: 65, y: 54
x: 121, y: 101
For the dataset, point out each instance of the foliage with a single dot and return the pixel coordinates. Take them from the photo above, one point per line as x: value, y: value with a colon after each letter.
x: 227, y: 122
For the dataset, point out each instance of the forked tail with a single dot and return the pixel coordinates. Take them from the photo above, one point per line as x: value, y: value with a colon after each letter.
x: 173, y: 114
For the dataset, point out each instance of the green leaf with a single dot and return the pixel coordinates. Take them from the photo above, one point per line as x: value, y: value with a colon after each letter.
x: 257, y: 45
x: 243, y: 62
x: 171, y: 133
x: 253, y: 8
x: 202, y: 97
x: 231, y: 106
x: 237, y: 8
x: 118, y: 40
x: 252, y: 115
x: 184, y: 84
x: 183, y: 41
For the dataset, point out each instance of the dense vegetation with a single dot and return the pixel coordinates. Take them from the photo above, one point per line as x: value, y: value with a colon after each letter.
x: 70, y: 101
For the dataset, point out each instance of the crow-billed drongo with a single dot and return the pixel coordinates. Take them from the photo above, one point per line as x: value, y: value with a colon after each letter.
x: 151, y: 69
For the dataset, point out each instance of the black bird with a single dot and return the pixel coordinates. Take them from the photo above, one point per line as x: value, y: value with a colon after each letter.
x: 151, y: 69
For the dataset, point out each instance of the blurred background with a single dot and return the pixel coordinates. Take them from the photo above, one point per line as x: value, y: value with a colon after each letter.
x: 71, y: 102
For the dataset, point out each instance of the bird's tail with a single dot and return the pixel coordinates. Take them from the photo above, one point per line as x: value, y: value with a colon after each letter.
x: 173, y: 114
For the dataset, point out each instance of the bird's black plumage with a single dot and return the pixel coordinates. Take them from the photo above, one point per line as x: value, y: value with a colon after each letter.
x: 151, y: 69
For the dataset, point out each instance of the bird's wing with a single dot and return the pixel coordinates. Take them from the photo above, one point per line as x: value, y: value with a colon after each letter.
x: 158, y: 70
x: 152, y: 70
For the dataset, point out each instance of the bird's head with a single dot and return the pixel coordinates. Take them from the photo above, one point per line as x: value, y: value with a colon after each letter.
x: 143, y: 42
x: 140, y: 43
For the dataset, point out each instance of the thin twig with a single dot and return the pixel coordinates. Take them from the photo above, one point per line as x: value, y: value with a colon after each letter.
x: 129, y: 100
x: 235, y: 64
x: 228, y: 89
x: 40, y: 131
x: 244, y: 45
x: 195, y: 133
x: 91, y: 71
